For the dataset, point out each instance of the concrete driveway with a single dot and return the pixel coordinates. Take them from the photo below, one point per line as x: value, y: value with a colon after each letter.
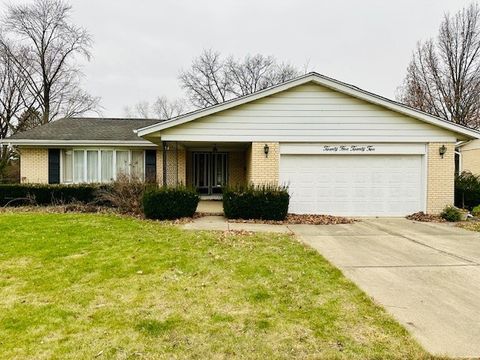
x: 426, y: 275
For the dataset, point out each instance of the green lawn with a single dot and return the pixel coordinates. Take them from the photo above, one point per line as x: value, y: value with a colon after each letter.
x: 84, y: 286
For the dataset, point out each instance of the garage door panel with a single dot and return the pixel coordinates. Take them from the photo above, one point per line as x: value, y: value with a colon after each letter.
x: 354, y: 185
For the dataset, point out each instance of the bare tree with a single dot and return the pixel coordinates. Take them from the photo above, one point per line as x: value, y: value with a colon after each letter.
x: 43, y: 34
x: 255, y: 73
x: 13, y: 101
x: 162, y: 109
x: 207, y: 82
x: 443, y: 77
x: 212, y: 80
x: 165, y: 109
x: 139, y: 110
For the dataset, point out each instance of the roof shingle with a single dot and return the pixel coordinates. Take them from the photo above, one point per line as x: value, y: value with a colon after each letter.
x: 87, y: 129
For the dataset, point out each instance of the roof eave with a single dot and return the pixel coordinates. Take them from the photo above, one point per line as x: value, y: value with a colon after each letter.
x: 119, y: 143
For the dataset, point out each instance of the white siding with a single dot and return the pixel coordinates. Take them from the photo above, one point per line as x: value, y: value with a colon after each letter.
x: 308, y: 113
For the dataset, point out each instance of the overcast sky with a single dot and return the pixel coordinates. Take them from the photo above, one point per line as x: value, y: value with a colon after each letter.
x: 140, y: 46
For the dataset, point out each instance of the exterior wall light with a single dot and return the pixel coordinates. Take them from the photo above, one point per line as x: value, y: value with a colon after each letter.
x: 266, y: 149
x: 442, y: 150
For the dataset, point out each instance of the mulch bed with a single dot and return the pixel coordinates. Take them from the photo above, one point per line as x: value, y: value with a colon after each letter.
x: 300, y: 219
x: 421, y: 216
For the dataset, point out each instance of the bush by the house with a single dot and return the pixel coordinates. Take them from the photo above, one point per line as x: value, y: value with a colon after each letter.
x: 256, y: 202
x: 476, y: 211
x: 168, y: 203
x: 451, y: 214
x: 43, y: 194
x: 125, y: 193
x: 467, y: 190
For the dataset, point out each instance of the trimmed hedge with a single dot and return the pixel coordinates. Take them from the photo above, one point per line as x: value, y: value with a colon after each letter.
x: 43, y: 194
x: 168, y: 203
x: 256, y: 202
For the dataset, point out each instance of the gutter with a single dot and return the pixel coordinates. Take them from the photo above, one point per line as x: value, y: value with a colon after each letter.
x: 121, y: 143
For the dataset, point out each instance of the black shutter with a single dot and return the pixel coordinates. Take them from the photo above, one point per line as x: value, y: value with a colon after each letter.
x: 53, y: 166
x: 151, y: 165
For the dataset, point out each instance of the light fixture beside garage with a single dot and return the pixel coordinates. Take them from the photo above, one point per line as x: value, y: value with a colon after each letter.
x: 442, y: 150
x: 266, y: 149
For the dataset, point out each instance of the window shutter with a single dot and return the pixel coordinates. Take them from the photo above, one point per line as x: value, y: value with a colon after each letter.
x: 151, y: 165
x: 53, y: 166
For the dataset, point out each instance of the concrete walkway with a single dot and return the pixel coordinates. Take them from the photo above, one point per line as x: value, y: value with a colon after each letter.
x: 220, y: 223
x: 426, y: 275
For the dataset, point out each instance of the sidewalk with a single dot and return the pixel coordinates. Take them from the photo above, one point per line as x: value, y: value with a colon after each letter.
x: 220, y: 223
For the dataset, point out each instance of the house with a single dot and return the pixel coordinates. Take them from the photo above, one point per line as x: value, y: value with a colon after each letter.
x: 340, y: 149
x: 468, y: 157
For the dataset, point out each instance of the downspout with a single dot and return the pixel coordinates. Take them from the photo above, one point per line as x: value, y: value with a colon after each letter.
x: 164, y: 160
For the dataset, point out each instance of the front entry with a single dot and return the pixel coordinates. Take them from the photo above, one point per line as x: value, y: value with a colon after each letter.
x: 210, y: 173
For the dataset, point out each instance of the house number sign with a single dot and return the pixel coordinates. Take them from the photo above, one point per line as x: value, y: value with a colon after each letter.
x: 349, y: 148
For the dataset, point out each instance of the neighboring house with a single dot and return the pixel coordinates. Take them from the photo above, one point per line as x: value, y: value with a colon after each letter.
x: 341, y: 150
x: 468, y: 157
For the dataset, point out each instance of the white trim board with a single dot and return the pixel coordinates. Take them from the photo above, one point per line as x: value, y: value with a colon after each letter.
x: 352, y: 149
x: 321, y: 80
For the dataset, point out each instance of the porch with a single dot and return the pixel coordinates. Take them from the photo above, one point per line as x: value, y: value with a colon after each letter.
x: 209, y: 166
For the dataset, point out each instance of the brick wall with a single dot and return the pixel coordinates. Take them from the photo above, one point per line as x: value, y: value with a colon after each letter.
x: 236, y: 168
x: 261, y: 169
x: 471, y: 161
x: 34, y: 165
x: 176, y: 174
x: 441, y: 177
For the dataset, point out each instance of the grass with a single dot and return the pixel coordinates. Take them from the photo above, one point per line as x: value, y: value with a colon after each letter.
x: 469, y: 225
x: 76, y: 286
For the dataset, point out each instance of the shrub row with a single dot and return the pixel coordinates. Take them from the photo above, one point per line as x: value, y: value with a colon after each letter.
x: 170, y: 203
x: 43, y: 194
x: 256, y: 202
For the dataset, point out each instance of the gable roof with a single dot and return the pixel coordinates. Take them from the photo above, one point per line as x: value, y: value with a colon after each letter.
x: 320, y: 80
x: 84, y: 131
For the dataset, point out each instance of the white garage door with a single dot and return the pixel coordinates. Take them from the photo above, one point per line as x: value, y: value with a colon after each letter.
x: 354, y: 185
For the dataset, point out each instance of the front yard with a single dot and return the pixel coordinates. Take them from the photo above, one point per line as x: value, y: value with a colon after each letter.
x: 101, y: 286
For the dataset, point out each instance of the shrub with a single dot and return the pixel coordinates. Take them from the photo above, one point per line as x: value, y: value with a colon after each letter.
x: 467, y: 190
x: 476, y: 211
x: 125, y: 193
x: 256, y: 202
x: 43, y: 194
x: 451, y: 213
x: 167, y: 203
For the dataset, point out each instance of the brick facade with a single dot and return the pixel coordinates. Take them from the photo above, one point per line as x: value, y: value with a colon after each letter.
x: 471, y: 161
x: 441, y: 177
x: 176, y: 173
x: 236, y: 168
x: 262, y: 169
x: 34, y: 165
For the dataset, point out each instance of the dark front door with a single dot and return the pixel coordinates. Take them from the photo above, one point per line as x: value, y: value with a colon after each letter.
x: 210, y: 172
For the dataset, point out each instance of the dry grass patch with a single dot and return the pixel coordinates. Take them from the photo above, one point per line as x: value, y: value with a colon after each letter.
x: 77, y: 286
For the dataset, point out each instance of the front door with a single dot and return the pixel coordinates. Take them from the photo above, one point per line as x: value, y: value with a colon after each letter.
x: 210, y: 172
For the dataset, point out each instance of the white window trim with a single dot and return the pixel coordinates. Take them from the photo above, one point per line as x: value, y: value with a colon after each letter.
x: 99, y: 174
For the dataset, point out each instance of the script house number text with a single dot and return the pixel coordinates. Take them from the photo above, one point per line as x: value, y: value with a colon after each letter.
x: 348, y: 148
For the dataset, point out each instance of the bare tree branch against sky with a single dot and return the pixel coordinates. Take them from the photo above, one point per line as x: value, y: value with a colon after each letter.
x: 140, y: 47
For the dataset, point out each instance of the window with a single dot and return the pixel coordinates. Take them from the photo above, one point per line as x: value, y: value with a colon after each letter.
x: 107, y: 166
x: 78, y: 165
x: 92, y: 166
x: 101, y: 165
x: 67, y: 162
x: 122, y: 163
x: 137, y: 163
